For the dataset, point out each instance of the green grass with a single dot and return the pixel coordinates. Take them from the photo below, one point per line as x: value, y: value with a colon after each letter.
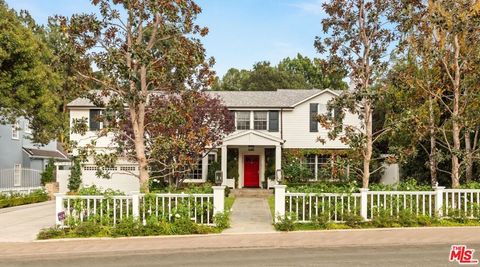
x: 229, y: 202
x: 271, y: 204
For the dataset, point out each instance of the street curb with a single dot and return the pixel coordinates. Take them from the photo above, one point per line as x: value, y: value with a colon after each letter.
x: 253, y: 233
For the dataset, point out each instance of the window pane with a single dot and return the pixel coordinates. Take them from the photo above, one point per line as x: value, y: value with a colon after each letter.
x: 310, y: 162
x: 197, y: 172
x: 260, y: 120
x: 243, y: 120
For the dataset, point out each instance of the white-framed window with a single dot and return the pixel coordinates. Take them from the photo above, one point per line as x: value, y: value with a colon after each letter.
x: 26, y: 127
x: 310, y: 161
x: 260, y: 120
x: 243, y: 120
x: 128, y: 168
x: 316, y: 163
x: 196, y: 173
x: 17, y: 175
x: 16, y: 131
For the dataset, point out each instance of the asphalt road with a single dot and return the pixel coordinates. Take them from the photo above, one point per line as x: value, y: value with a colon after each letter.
x: 404, y: 255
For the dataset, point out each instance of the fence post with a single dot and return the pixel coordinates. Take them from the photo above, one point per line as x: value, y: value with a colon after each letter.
x: 59, y: 209
x: 279, y: 201
x: 218, y: 199
x: 364, y: 203
x: 135, y: 204
x: 439, y: 200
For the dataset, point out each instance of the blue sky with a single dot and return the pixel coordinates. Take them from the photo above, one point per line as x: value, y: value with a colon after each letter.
x: 242, y: 32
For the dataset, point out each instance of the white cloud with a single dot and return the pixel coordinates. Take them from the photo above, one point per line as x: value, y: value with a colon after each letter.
x: 311, y: 7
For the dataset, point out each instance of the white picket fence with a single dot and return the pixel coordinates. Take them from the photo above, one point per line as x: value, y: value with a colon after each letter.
x: 200, y: 208
x: 368, y: 204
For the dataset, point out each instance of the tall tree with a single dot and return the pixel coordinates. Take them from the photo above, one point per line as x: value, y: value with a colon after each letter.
x: 357, y: 32
x: 140, y: 47
x: 181, y: 130
x: 299, y: 72
x: 27, y: 83
x: 446, y: 32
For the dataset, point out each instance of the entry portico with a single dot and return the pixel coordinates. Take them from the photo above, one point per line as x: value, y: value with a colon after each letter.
x: 251, y: 147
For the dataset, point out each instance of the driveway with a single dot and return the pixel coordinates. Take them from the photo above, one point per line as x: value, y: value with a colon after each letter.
x: 22, y: 223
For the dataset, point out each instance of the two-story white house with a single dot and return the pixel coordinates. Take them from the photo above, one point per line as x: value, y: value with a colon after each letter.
x: 268, y: 123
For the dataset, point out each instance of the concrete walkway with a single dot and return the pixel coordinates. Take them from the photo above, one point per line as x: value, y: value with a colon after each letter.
x: 250, y: 215
x: 22, y: 223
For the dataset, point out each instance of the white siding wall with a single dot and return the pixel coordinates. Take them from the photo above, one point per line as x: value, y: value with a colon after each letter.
x: 119, y: 181
x: 102, y: 142
x: 296, y: 126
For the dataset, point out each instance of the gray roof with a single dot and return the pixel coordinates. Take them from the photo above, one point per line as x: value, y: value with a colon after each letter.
x: 281, y: 98
x: 43, y: 153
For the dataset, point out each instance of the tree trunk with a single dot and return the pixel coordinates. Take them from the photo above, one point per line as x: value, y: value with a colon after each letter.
x: 455, y: 118
x: 433, y: 146
x: 367, y: 153
x: 139, y: 139
x: 468, y: 157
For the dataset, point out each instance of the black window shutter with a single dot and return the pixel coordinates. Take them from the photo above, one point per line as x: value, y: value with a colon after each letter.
x: 313, y: 117
x: 93, y: 121
x: 273, y: 121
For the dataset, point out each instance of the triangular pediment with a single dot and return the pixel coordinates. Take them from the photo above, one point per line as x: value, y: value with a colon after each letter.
x: 252, y: 138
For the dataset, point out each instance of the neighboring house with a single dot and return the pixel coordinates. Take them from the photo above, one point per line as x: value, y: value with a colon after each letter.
x: 21, y: 161
x: 269, y: 125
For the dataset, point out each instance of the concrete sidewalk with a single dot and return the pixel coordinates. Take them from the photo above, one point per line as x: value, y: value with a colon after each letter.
x: 22, y: 223
x: 311, y: 239
x: 250, y: 215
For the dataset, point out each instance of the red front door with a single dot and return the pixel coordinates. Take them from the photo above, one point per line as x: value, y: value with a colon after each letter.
x: 251, y: 174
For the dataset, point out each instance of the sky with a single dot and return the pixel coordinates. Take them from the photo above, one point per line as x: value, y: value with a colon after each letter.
x: 241, y: 32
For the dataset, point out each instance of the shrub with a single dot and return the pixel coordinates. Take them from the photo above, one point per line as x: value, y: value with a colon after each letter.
x: 322, y: 220
x: 87, y: 229
x: 425, y: 220
x: 383, y: 219
x: 285, y: 224
x: 48, y: 175
x: 127, y: 227
x: 353, y: 220
x: 222, y: 220
x: 15, y: 199
x: 296, y: 172
x: 51, y: 233
x: 407, y: 218
x: 457, y: 215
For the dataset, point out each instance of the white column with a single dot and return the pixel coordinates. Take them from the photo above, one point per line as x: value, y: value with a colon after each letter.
x: 439, y: 200
x: 205, y: 167
x: 279, y: 202
x: 224, y: 165
x: 135, y: 204
x: 278, y: 157
x: 59, y: 209
x: 218, y: 199
x: 364, y: 203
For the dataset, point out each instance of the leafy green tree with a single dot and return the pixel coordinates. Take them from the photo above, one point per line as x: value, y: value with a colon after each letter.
x: 358, y: 35
x: 291, y: 73
x: 27, y: 82
x: 75, y: 177
x: 139, y: 47
x: 48, y: 175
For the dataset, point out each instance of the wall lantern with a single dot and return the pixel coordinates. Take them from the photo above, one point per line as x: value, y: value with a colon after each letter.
x: 218, y: 177
x: 279, y: 175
